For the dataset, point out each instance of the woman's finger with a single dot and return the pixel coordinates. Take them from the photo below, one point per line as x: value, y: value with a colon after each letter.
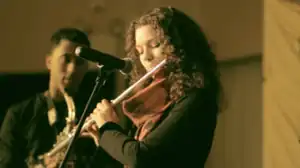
x: 88, y: 117
x: 94, y: 127
x: 91, y: 128
x: 106, y: 103
x: 90, y: 132
x: 100, y: 106
x: 86, y: 134
x: 93, y: 115
x: 96, y: 111
x: 93, y: 134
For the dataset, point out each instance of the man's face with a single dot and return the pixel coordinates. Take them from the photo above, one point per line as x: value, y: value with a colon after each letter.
x: 66, y: 69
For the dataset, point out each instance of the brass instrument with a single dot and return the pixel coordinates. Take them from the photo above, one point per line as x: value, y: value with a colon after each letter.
x: 33, y: 162
x: 65, y: 137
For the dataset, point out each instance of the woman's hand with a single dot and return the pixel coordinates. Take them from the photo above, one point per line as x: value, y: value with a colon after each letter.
x: 93, y: 132
x: 103, y: 113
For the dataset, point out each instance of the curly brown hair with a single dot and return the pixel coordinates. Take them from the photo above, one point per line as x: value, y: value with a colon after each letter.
x: 190, y: 60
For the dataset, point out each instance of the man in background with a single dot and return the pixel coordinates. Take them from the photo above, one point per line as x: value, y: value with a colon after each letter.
x: 31, y: 126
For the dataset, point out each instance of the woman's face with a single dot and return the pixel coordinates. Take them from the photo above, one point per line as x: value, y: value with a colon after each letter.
x: 149, y: 47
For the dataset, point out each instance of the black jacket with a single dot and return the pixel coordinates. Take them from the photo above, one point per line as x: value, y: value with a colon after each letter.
x: 26, y: 129
x: 183, y: 138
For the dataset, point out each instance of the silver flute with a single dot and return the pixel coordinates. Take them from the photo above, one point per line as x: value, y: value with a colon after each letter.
x: 121, y: 97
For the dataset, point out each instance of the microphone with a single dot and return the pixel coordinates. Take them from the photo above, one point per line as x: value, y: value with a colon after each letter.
x: 112, y: 62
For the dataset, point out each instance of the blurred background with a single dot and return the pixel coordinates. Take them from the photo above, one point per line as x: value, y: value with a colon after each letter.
x: 234, y: 28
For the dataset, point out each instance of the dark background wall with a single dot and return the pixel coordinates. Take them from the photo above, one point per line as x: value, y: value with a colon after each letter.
x: 17, y: 87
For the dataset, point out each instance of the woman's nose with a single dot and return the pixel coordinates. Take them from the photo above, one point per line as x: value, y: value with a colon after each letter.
x: 147, y: 55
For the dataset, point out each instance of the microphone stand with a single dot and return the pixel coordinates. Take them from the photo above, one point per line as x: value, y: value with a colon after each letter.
x: 100, y: 81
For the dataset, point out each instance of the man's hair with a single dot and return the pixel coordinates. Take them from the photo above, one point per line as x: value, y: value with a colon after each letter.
x: 72, y: 34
